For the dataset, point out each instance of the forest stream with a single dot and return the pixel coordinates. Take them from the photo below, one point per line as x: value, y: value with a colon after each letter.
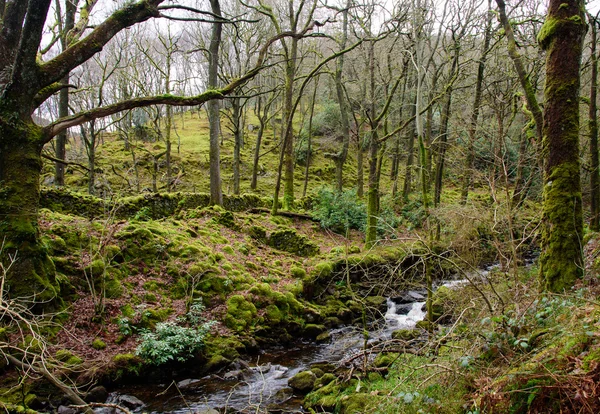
x: 262, y: 384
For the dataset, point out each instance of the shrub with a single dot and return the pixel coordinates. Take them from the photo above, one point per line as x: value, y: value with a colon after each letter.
x: 339, y: 212
x: 172, y: 342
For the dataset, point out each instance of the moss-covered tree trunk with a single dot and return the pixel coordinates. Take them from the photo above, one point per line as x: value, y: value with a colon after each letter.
x: 216, y: 192
x: 593, y: 129
x: 288, y: 141
x: 373, y: 191
x: 342, y: 155
x: 467, y: 178
x: 20, y: 165
x: 561, y: 262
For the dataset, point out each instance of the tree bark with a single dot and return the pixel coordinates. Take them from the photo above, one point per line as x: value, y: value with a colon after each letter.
x: 561, y: 261
x: 237, y: 145
x: 470, y: 156
x: 216, y: 194
x: 342, y: 155
x: 20, y: 166
x: 593, y: 129
x: 63, y: 99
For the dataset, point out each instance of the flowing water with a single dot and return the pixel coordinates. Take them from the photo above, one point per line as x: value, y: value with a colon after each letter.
x: 261, y: 385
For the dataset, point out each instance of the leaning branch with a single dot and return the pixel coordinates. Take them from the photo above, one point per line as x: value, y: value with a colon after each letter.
x: 77, y: 119
x: 79, y: 52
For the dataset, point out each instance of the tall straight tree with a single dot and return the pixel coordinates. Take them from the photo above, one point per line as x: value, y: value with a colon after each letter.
x: 216, y: 192
x: 561, y: 36
x: 593, y: 129
x: 63, y: 100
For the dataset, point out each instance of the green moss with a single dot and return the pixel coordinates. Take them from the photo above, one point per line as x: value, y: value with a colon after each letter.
x: 290, y: 241
x: 126, y: 364
x: 358, y: 403
x: 150, y: 317
x: 68, y: 357
x: 113, y: 289
x: 561, y: 262
x: 324, y: 398
x: 228, y: 250
x: 240, y: 313
x: 297, y: 272
x: 303, y: 381
x: 98, y: 344
x: 127, y: 311
x: 323, y: 270
x: 258, y: 233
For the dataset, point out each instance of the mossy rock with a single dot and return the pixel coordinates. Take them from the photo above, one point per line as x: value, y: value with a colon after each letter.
x: 405, y: 334
x: 240, y: 313
x: 312, y: 330
x: 358, y: 403
x: 297, y: 272
x: 426, y: 325
x: 98, y: 344
x: 303, y: 382
x: 323, y: 399
x: 323, y: 337
x: 326, y: 367
x: 150, y: 317
x: 258, y: 233
x: 216, y: 362
x: 227, y: 219
x: 385, y: 360
x: 378, y: 303
x: 290, y: 241
x: 324, y: 379
x: 126, y: 364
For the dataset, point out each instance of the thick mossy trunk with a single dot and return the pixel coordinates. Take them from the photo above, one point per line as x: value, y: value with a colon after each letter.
x: 561, y: 262
x: 372, y: 194
x: 32, y: 275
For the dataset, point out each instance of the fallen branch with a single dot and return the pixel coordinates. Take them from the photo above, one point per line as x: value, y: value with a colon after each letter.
x: 68, y: 391
x: 290, y: 214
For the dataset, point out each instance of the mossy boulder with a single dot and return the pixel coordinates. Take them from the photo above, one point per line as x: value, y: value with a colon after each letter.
x: 324, y: 379
x: 405, y: 334
x: 325, y: 398
x: 240, y: 313
x: 303, y: 381
x: 377, y: 303
x: 98, y: 344
x: 358, y: 403
x: 227, y: 219
x: 312, y: 330
x: 290, y: 241
x: 258, y: 233
x: 298, y: 272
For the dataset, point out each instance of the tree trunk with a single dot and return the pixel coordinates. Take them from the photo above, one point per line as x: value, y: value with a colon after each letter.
x: 20, y: 167
x: 360, y: 169
x: 470, y: 156
x: 237, y: 145
x: 288, y: 140
x: 216, y: 194
x: 309, y: 137
x: 593, y: 127
x: 373, y: 192
x: 63, y: 98
x: 262, y: 119
x: 342, y: 155
x: 410, y: 157
x: 561, y: 261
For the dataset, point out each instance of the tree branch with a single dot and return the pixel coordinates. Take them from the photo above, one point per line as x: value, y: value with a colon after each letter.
x: 77, y: 119
x: 81, y: 51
